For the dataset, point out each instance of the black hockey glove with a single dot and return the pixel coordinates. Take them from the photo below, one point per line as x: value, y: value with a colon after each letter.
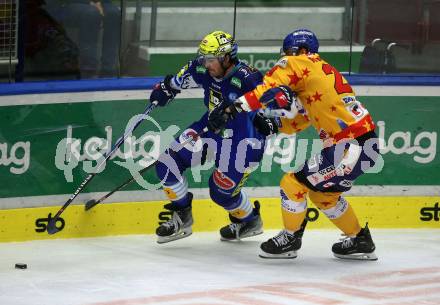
x: 163, y: 93
x: 280, y: 97
x: 265, y: 126
x: 219, y: 117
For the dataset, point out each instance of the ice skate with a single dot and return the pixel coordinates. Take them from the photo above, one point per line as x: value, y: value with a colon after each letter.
x: 238, y: 229
x: 360, y: 247
x: 178, y: 227
x: 284, y: 245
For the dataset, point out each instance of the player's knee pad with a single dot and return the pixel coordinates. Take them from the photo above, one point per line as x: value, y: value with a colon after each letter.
x: 225, y: 200
x: 324, y: 200
x: 169, y: 167
x: 292, y: 189
x: 338, y: 210
x: 293, y: 202
x: 222, y: 190
x: 333, y: 205
x: 162, y: 171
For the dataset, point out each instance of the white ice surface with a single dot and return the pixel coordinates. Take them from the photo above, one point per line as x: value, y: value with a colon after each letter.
x: 135, y: 270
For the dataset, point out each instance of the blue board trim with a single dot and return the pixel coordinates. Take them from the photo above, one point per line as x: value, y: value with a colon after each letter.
x: 148, y: 82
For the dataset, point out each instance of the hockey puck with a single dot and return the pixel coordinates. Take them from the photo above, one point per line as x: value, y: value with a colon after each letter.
x: 20, y: 266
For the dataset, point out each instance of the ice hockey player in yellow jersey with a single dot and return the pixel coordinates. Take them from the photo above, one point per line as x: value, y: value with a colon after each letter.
x: 316, y: 94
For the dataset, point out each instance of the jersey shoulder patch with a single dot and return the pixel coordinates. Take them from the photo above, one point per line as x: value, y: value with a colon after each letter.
x: 282, y: 62
x: 201, y: 69
x: 236, y: 82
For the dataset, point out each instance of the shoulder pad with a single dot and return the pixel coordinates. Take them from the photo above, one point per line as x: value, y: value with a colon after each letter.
x: 249, y: 77
x: 246, y: 71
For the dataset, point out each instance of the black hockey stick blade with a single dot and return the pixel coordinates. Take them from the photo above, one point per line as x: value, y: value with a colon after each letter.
x: 51, y: 226
x: 90, y: 204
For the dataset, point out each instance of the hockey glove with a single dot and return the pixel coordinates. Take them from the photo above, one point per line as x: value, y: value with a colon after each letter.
x: 163, y: 93
x: 219, y: 117
x: 265, y: 126
x: 280, y: 97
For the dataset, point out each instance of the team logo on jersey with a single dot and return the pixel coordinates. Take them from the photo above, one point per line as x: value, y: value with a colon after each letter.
x: 356, y: 110
x: 282, y: 62
x: 349, y: 99
x: 232, y: 96
x: 346, y: 183
x: 222, y: 181
x: 195, y: 144
x: 328, y: 184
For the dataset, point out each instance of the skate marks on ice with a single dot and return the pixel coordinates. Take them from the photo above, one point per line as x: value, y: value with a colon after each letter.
x: 395, y: 287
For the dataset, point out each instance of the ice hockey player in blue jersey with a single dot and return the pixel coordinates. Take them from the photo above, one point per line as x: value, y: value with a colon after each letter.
x: 237, y: 148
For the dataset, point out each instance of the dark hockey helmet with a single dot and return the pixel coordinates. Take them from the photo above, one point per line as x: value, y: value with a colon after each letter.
x: 301, y: 38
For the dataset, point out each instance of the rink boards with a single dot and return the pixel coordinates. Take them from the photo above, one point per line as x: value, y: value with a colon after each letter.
x: 144, y: 217
x: 37, y: 179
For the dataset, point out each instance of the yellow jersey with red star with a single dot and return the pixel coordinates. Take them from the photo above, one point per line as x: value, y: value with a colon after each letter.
x: 326, y: 99
x: 291, y: 126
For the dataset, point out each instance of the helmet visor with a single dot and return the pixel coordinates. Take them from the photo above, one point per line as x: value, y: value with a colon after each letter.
x: 206, y: 59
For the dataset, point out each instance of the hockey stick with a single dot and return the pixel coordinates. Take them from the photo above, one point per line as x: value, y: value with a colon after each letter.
x: 91, y: 203
x: 51, y: 226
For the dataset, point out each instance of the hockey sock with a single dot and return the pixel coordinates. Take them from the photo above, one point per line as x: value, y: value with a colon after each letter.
x: 343, y: 216
x: 242, y: 209
x: 293, y: 202
x: 178, y: 192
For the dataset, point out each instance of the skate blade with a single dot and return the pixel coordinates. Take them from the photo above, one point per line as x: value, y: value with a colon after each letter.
x: 249, y: 234
x: 287, y: 255
x: 358, y: 256
x: 166, y: 239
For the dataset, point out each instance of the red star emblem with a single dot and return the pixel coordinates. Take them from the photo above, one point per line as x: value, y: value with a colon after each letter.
x: 294, y: 79
x: 367, y: 126
x: 273, y: 85
x: 306, y: 72
x: 300, y: 195
x: 309, y: 100
x: 317, y: 96
x: 294, y: 124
